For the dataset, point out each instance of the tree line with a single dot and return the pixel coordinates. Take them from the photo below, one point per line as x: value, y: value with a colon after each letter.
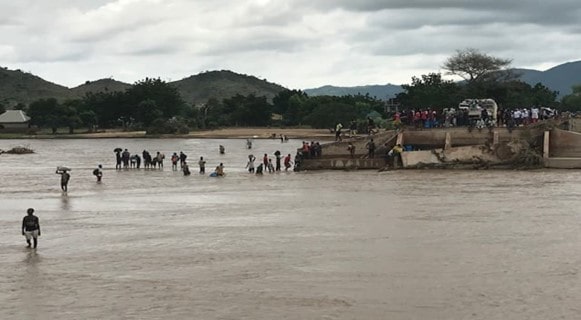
x: 157, y: 107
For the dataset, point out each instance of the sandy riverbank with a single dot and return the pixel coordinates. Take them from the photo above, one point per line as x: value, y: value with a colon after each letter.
x: 227, y: 133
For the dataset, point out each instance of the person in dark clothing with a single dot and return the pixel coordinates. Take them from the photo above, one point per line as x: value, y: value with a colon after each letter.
x: 352, y: 129
x: 65, y: 177
x: 146, y: 158
x: 278, y: 158
x: 202, y: 164
x: 259, y: 169
x: 484, y: 114
x: 371, y: 149
x: 118, y: 158
x: 31, y: 227
x: 137, y: 161
x: 125, y: 157
x: 98, y: 173
x: 183, y: 158
x: 318, y: 150
x: 186, y: 169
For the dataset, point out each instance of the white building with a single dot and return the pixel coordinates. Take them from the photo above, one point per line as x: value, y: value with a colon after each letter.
x: 14, y: 119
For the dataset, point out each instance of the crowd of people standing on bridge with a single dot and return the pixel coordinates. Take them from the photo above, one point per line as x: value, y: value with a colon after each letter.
x: 452, y: 117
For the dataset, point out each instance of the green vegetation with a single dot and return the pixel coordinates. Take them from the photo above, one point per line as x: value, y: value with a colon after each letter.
x: 430, y: 91
x: 21, y: 87
x: 572, y: 102
x: 225, y: 99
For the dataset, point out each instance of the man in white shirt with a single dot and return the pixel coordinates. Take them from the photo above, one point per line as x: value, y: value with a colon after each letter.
x: 534, y: 115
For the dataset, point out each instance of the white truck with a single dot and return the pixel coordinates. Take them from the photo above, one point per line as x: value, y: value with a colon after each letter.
x: 475, y: 107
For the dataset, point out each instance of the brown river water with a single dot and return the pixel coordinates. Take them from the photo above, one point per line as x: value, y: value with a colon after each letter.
x: 153, y: 244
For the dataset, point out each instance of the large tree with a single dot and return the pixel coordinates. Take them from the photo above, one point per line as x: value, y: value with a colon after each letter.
x: 248, y: 110
x: 473, y: 65
x: 429, y: 91
x: 165, y: 97
x: 328, y: 114
x: 572, y: 102
x: 47, y: 113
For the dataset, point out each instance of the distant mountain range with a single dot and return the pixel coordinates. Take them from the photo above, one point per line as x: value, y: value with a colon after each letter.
x: 560, y: 78
x: 21, y: 87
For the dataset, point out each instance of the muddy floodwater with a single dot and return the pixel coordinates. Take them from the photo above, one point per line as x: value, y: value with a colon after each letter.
x: 153, y: 244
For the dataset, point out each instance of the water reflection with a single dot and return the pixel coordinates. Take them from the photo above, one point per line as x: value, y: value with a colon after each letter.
x: 31, y: 257
x: 65, y: 202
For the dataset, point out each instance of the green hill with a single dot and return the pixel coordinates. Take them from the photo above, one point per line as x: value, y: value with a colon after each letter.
x: 20, y: 87
x: 17, y: 86
x: 223, y: 84
x: 102, y: 85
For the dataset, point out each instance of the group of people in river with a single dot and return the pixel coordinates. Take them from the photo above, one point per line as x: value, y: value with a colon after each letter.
x: 124, y: 160
x: 267, y: 165
x: 179, y: 161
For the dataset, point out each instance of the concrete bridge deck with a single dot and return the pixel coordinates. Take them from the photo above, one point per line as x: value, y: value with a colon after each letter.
x: 561, y: 148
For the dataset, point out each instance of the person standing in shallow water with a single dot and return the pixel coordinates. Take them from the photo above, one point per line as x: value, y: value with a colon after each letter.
x: 265, y: 160
x: 31, y: 227
x: 287, y: 162
x: 174, y: 161
x: 98, y: 173
x: 250, y: 164
x: 118, y: 159
x: 183, y: 158
x: 125, y: 157
x: 202, y: 164
x: 186, y: 169
x: 278, y: 156
x: 65, y: 177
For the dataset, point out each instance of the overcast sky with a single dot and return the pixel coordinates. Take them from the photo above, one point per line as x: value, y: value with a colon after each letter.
x: 296, y: 43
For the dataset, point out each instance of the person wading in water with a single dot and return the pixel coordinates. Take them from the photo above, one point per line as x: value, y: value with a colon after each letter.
x: 65, y: 177
x: 31, y: 227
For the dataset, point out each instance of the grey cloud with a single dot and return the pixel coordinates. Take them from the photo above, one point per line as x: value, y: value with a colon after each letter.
x: 495, y: 5
x: 409, y: 19
x: 48, y: 55
x: 302, y: 41
x: 558, y: 12
x: 107, y: 32
x: 275, y: 43
x: 154, y: 50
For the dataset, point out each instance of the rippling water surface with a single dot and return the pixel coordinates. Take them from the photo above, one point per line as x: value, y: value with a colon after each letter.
x: 323, y: 245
